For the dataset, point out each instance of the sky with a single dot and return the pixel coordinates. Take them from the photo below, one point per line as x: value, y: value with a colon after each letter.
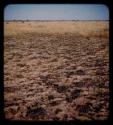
x: 56, y: 12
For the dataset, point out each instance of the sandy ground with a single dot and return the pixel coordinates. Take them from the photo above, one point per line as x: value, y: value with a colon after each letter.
x: 56, y: 70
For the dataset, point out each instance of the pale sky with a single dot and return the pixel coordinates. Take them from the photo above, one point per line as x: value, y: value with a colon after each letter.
x: 56, y: 12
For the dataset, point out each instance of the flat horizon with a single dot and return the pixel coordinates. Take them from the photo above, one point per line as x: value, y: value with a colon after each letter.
x: 54, y: 20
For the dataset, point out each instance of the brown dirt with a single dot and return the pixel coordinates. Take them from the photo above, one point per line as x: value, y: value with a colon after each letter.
x: 56, y: 70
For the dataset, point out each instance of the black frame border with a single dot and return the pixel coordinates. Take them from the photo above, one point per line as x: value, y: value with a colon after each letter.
x: 3, y: 4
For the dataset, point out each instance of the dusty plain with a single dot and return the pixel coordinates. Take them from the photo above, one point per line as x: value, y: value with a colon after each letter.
x: 56, y: 70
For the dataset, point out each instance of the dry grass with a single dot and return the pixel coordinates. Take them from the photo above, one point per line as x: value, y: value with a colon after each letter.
x: 86, y: 28
x: 56, y: 70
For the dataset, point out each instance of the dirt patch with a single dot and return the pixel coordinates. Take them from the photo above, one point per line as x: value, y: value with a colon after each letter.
x: 56, y: 74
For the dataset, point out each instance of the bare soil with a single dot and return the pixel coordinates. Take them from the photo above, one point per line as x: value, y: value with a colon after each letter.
x: 56, y: 70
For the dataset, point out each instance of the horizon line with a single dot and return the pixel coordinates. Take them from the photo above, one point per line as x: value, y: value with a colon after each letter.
x: 55, y: 20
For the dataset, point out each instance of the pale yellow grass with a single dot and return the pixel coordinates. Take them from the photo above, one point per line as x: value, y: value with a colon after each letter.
x: 84, y: 28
